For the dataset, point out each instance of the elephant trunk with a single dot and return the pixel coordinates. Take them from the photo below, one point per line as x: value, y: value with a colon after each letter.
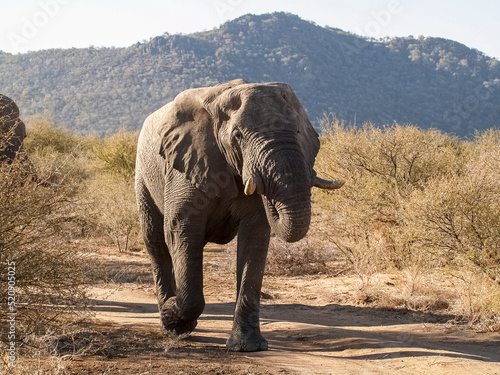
x: 287, y: 195
x: 290, y: 222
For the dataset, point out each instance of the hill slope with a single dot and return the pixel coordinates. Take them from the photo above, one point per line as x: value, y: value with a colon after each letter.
x: 430, y: 82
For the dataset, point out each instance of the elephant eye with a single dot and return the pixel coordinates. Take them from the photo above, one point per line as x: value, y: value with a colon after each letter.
x: 237, y: 136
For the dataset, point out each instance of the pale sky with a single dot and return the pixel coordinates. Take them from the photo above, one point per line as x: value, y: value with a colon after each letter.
x: 30, y: 25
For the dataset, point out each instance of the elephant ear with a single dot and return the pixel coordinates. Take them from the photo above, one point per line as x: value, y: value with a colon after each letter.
x: 189, y: 145
x: 307, y: 137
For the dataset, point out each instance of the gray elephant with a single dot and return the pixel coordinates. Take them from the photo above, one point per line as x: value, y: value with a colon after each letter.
x: 12, y: 130
x: 12, y: 135
x: 233, y: 159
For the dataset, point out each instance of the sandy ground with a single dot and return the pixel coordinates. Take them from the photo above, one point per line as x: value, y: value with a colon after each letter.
x: 308, y: 332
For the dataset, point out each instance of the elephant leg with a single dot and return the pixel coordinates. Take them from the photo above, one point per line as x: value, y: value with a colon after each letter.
x: 151, y: 220
x: 185, y: 234
x: 253, y: 242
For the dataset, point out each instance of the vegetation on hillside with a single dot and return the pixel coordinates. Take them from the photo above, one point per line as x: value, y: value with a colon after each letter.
x: 430, y: 82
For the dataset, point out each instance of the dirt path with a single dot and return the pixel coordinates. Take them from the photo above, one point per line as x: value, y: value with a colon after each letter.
x: 307, y: 334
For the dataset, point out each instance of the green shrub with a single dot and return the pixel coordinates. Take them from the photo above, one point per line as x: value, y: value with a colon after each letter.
x: 57, y: 152
x: 116, y: 154
x: 42, y: 134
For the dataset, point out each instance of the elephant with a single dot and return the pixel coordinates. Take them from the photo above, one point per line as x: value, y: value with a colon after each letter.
x: 233, y: 159
x: 12, y: 130
x: 12, y: 135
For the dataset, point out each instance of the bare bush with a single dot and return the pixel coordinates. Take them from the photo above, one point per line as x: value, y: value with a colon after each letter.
x: 457, y: 217
x: 414, y: 201
x: 383, y: 168
x: 305, y: 257
x: 45, y: 231
x: 479, y: 301
x: 111, y: 206
x: 36, y: 236
x: 457, y: 221
x: 110, y: 189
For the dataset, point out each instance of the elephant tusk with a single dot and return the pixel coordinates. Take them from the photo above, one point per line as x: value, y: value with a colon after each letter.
x: 250, y: 186
x: 327, y: 184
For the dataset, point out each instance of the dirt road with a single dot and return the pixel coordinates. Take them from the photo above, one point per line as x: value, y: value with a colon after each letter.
x: 307, y: 332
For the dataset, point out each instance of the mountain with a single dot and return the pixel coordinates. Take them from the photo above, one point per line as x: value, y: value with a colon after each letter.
x: 429, y: 82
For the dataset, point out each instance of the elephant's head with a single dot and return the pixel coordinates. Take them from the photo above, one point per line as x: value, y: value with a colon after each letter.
x: 12, y: 129
x: 237, y: 138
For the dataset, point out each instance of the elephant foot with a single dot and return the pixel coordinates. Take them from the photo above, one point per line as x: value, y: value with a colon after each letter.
x: 172, y: 322
x: 246, y: 342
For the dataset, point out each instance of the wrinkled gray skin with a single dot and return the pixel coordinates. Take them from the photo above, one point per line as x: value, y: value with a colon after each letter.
x: 233, y: 159
x: 11, y: 125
